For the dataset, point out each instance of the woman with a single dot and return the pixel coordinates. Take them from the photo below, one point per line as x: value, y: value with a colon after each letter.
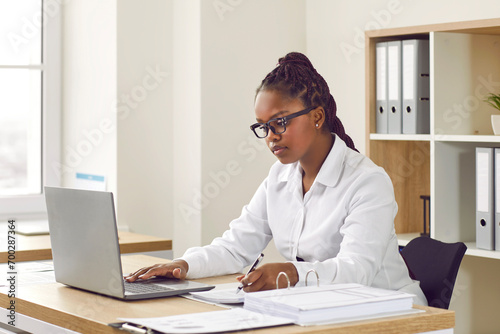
x: 328, y: 207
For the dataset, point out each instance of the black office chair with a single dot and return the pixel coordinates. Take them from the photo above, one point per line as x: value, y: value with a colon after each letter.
x: 435, y: 264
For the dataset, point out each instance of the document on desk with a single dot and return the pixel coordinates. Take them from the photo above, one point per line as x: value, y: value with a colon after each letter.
x: 221, y: 294
x: 208, y: 322
x: 31, y: 272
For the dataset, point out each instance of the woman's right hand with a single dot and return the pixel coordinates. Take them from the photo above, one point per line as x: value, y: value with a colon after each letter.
x: 175, y: 269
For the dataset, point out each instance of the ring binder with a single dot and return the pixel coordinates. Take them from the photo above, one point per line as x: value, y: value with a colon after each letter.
x: 485, y: 195
x: 278, y: 278
x: 317, y: 276
x: 381, y: 88
x: 415, y: 81
x: 329, y: 303
x: 394, y: 95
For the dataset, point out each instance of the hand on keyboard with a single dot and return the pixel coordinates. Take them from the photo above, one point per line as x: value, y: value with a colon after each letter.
x: 175, y: 269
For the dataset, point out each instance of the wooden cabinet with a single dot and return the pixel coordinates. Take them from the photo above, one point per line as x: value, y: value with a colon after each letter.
x: 464, y: 67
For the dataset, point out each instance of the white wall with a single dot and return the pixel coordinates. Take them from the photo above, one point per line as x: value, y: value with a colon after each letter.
x: 144, y: 106
x: 180, y: 157
x: 238, y: 50
x: 219, y: 162
x: 187, y: 125
x: 335, y: 44
x: 89, y: 89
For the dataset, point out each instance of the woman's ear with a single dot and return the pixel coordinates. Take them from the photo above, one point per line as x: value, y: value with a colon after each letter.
x: 319, y: 117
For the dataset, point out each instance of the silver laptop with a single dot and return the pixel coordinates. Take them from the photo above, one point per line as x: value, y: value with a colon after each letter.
x: 86, y: 252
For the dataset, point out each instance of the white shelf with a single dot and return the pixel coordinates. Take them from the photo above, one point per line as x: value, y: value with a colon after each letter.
x: 405, y: 238
x: 383, y: 136
x: 467, y: 138
x: 473, y: 251
x: 438, y: 138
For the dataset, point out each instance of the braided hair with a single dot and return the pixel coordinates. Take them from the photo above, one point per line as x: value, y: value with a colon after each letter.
x: 295, y: 77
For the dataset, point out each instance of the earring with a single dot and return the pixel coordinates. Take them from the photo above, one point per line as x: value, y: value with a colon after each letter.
x: 317, y: 125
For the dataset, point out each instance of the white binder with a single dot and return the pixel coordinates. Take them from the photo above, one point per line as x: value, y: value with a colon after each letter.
x: 497, y: 198
x: 333, y: 303
x: 381, y: 87
x: 415, y: 86
x: 394, y: 86
x: 485, y: 229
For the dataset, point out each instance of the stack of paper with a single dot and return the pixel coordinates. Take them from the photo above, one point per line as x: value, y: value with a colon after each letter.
x: 330, y: 303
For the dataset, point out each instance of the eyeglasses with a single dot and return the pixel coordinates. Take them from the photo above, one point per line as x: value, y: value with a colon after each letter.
x: 277, y: 125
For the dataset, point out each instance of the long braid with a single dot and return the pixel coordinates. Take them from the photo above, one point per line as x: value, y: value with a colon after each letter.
x: 296, y: 77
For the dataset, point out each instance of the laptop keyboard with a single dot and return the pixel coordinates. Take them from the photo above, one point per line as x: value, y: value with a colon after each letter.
x: 145, y: 287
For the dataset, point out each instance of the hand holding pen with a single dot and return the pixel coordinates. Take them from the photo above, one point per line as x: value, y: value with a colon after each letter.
x: 252, y: 268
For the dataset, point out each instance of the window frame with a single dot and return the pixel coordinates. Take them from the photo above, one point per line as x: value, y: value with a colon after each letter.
x: 13, y: 207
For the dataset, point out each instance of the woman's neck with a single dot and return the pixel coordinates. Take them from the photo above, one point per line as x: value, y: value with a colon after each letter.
x: 312, y: 165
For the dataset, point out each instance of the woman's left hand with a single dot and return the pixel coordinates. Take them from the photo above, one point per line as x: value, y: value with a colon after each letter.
x: 264, y: 277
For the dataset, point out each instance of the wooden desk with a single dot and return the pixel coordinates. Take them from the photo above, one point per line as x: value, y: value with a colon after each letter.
x: 37, y: 247
x: 90, y: 313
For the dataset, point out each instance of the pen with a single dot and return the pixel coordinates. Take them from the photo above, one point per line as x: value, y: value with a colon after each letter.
x: 252, y: 268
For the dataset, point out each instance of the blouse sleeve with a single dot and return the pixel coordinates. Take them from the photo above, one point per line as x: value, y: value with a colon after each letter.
x: 239, y: 246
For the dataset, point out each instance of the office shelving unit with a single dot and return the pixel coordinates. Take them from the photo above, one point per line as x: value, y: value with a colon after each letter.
x: 464, y: 67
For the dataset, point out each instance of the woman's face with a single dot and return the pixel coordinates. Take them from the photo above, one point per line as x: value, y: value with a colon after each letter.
x: 297, y: 141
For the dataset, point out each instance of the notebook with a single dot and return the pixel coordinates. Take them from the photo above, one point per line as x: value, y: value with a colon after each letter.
x: 86, y: 252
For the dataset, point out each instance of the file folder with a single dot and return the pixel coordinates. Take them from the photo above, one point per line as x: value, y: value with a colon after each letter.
x: 415, y: 86
x: 485, y: 229
x: 394, y: 87
x: 497, y: 198
x: 381, y: 87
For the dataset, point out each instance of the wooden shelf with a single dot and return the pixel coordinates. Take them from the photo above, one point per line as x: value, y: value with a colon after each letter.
x: 486, y: 27
x: 464, y: 61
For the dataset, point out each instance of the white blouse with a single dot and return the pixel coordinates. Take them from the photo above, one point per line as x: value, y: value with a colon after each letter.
x: 343, y: 227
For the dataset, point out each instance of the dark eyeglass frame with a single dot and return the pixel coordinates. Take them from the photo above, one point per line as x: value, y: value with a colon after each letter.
x: 283, y: 119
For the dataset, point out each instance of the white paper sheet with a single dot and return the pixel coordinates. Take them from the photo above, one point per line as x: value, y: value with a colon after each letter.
x: 31, y: 272
x: 209, y: 322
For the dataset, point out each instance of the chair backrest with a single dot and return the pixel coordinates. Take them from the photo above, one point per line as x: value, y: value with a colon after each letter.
x: 435, y: 264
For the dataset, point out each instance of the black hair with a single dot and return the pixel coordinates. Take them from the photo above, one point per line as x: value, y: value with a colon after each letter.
x: 296, y: 77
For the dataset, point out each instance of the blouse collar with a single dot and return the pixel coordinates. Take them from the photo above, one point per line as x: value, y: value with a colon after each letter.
x: 329, y: 172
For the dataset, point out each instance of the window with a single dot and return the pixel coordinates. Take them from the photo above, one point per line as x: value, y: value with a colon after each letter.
x: 29, y: 103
